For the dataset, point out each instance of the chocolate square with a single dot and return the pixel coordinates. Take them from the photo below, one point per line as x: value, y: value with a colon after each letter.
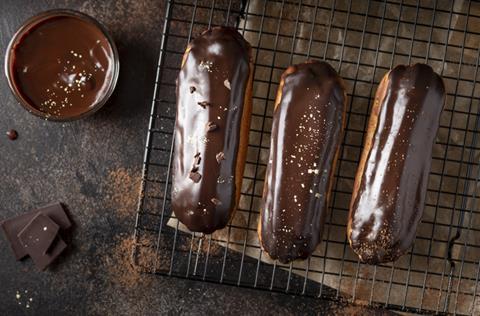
x: 38, y: 235
x: 43, y: 260
x: 57, y: 213
x: 12, y: 226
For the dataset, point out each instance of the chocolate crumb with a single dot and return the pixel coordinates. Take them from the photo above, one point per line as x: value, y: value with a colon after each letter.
x: 216, y: 201
x: 211, y: 127
x: 194, y: 169
x: 192, y: 89
x: 197, y: 155
x: 12, y: 134
x: 204, y: 104
x: 220, y: 156
x: 197, y: 160
x: 195, y: 176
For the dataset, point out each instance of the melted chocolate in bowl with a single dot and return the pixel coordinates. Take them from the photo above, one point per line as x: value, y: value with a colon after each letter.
x: 62, y: 65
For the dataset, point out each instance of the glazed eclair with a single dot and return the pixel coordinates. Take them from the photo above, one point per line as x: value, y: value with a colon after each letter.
x: 307, y: 130
x: 391, y: 181
x: 214, y: 103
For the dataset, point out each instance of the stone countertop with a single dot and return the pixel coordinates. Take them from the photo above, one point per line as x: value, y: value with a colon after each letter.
x: 94, y: 167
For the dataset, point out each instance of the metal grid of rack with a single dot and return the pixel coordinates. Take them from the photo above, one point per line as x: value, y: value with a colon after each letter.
x: 362, y: 40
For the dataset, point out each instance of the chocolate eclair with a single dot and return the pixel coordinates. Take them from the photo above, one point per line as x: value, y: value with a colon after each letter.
x: 214, y: 101
x: 308, y: 123
x: 391, y: 181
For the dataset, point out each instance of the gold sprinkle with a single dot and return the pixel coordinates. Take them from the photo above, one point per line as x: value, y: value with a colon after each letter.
x: 226, y: 83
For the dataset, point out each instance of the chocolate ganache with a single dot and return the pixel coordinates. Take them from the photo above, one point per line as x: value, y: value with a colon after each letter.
x: 61, y: 65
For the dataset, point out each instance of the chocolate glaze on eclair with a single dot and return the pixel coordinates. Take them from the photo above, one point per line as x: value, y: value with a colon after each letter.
x: 391, y: 182
x: 308, y: 123
x: 212, y: 125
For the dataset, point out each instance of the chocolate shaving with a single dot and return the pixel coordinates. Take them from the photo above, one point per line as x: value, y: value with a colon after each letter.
x: 211, y: 127
x: 204, y: 104
x: 195, y: 176
x: 192, y: 89
x: 196, y: 160
x: 216, y: 201
x: 220, y: 156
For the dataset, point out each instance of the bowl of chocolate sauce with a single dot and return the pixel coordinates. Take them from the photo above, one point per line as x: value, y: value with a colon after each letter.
x: 62, y: 65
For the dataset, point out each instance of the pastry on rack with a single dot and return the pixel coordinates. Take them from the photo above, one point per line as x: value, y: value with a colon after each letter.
x: 308, y: 123
x: 214, y: 100
x: 391, y: 182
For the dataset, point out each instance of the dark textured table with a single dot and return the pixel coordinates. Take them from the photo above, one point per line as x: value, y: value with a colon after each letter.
x: 94, y: 167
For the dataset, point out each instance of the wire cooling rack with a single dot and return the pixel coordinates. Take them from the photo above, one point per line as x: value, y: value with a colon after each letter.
x: 362, y: 40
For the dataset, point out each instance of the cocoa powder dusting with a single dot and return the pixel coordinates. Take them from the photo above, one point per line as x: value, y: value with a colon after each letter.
x: 119, y: 265
x: 123, y: 191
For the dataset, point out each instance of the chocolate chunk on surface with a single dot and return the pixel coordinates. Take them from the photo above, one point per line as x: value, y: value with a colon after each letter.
x: 39, y: 234
x: 192, y: 89
x: 210, y: 127
x: 12, y: 226
x: 203, y: 104
x: 195, y: 176
x: 42, y: 261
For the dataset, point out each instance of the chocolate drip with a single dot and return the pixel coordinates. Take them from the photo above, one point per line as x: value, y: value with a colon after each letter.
x: 391, y: 183
x: 219, y: 55
x: 306, y: 134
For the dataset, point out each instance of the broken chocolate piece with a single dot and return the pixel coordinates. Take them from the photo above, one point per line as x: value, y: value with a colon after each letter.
x: 57, y: 213
x: 192, y: 89
x: 210, y: 127
x: 216, y: 201
x: 204, y: 104
x: 39, y: 234
x: 195, y: 176
x: 42, y: 260
x: 220, y: 156
x: 12, y: 226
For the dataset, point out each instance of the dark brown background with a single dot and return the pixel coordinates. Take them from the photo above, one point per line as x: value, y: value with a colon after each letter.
x: 94, y: 167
